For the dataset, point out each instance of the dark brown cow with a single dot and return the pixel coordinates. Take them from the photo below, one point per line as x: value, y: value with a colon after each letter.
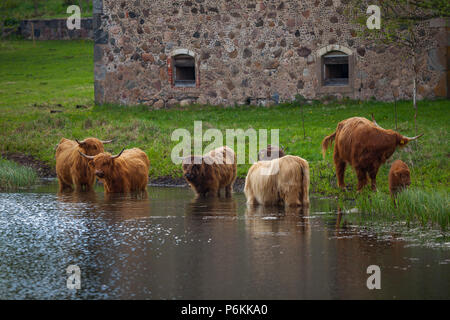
x: 270, y: 153
x: 399, y: 177
x: 71, y: 168
x: 365, y: 146
x: 122, y: 173
x: 209, y: 173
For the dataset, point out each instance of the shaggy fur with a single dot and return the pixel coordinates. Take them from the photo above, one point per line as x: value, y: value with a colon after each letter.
x: 365, y: 146
x: 209, y: 173
x: 127, y: 173
x: 270, y: 153
x: 71, y: 168
x: 399, y: 177
x: 279, y: 181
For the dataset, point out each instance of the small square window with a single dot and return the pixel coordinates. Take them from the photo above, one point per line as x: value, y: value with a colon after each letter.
x: 184, y: 71
x: 335, y: 69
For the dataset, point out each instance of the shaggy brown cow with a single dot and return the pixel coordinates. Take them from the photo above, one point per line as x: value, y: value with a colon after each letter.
x: 399, y: 177
x: 365, y: 146
x: 270, y: 153
x: 122, y: 173
x: 279, y: 181
x: 209, y: 173
x: 71, y: 168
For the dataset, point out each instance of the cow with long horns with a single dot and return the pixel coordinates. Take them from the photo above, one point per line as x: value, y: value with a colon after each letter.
x: 365, y: 146
x: 71, y: 168
x: 121, y: 173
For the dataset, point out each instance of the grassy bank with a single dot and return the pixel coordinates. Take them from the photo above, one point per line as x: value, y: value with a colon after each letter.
x: 414, y: 207
x: 14, y: 176
x: 45, y: 75
x: 41, y: 87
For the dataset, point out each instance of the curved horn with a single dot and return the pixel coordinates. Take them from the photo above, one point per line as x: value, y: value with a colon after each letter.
x: 79, y: 143
x: 85, y: 156
x: 118, y: 155
x: 108, y: 141
x: 414, y: 138
x: 374, y: 122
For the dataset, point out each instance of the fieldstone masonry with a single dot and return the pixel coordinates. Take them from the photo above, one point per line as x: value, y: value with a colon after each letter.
x: 249, y: 52
x: 55, y: 29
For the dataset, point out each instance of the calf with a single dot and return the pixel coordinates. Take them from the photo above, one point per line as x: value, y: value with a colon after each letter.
x: 399, y: 177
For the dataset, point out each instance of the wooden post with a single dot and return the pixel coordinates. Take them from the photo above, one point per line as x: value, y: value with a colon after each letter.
x: 32, y: 34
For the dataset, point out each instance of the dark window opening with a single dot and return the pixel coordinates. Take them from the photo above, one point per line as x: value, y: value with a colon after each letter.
x: 184, y: 71
x: 335, y: 69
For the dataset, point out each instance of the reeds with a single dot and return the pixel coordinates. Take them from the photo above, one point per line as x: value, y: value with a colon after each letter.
x: 413, y: 206
x: 14, y: 176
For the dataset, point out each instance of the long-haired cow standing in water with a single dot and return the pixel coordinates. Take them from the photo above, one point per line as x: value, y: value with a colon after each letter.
x: 71, y: 168
x: 209, y: 173
x: 122, y: 173
x: 365, y: 146
x: 278, y: 181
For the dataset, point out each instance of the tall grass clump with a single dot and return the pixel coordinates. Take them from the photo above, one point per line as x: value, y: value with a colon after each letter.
x: 13, y: 175
x: 413, y: 206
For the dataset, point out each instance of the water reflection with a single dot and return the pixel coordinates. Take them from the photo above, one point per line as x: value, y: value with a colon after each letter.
x: 167, y: 244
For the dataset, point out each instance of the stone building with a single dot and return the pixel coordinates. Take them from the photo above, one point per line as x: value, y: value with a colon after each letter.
x: 230, y: 52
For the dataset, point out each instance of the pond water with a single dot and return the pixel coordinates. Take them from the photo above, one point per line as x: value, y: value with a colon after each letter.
x: 171, y: 246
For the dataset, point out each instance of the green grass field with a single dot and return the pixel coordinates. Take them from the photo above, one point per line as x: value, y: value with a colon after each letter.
x: 34, y: 80
x: 50, y: 73
x: 12, y: 11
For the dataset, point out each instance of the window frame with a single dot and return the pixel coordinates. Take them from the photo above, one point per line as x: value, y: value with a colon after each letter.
x: 329, y: 88
x: 172, y: 69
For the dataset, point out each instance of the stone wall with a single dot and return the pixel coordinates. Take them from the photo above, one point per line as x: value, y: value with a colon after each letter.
x: 248, y: 52
x: 55, y: 29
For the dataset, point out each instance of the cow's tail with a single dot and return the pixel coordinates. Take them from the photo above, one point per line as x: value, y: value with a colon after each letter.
x: 326, y: 143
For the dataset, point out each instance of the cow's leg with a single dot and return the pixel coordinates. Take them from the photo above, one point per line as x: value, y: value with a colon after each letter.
x: 373, y: 177
x: 251, y: 199
x: 291, y: 199
x: 362, y: 178
x: 78, y: 186
x: 228, y: 190
x: 340, y: 171
x: 64, y: 186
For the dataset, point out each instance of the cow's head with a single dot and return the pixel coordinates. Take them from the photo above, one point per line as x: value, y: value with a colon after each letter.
x: 401, y: 140
x: 194, y: 168
x: 270, y: 153
x: 92, y: 146
x: 403, y: 177
x: 102, y: 163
